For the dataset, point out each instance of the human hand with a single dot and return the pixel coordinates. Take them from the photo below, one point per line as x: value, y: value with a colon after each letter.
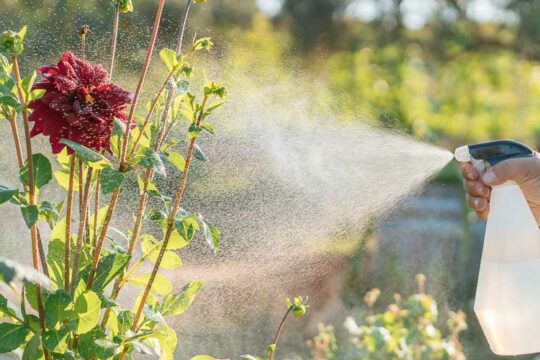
x: 524, y: 171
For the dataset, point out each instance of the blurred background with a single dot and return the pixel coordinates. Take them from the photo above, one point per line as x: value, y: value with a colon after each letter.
x: 446, y: 72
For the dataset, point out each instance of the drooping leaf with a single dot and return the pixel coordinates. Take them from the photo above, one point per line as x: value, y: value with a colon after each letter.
x: 198, y: 154
x: 57, y: 308
x: 6, y: 194
x: 85, y: 314
x: 211, y: 234
x: 175, y: 304
x: 186, y: 227
x: 125, y: 320
x: 11, y: 336
x: 161, y: 285
x: 56, y: 340
x: 30, y: 214
x: 110, y: 180
x: 42, y: 171
x: 88, y: 156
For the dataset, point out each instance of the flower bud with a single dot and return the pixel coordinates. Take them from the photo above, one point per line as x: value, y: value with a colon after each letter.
x: 125, y: 6
x: 11, y: 42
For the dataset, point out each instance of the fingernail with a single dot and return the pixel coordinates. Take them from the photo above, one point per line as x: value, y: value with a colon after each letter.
x: 477, y: 203
x: 489, y: 177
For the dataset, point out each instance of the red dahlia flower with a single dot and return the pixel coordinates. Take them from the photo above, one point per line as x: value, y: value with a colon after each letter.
x: 79, y: 104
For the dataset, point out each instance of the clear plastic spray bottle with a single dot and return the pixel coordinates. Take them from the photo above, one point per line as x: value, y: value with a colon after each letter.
x: 507, y: 301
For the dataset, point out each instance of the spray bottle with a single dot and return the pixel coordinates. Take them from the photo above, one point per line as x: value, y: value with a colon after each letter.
x: 507, y: 301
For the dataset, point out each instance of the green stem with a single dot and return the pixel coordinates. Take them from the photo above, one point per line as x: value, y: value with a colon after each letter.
x: 114, y: 39
x: 278, y: 333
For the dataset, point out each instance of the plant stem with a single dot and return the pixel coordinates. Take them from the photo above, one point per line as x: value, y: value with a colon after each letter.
x: 143, y: 198
x: 17, y: 141
x: 69, y: 214
x: 31, y: 193
x: 140, y: 84
x: 82, y: 37
x: 170, y: 221
x: 96, y: 208
x: 278, y: 333
x: 114, y: 39
x: 42, y: 256
x: 123, y: 153
x: 82, y: 227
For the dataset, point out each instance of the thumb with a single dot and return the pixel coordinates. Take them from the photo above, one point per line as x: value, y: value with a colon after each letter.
x: 518, y: 170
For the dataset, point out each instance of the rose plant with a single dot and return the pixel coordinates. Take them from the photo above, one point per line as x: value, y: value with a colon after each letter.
x: 67, y: 301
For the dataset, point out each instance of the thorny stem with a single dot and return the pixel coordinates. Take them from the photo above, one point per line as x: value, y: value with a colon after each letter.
x: 69, y: 214
x: 278, y: 333
x: 114, y: 39
x: 170, y: 221
x: 122, y: 167
x: 82, y: 227
x: 31, y: 193
x: 143, y: 198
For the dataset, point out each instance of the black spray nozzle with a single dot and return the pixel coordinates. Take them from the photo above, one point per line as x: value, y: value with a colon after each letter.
x: 493, y: 152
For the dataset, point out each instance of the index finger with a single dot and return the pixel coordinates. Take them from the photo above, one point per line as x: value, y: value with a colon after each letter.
x: 469, y: 172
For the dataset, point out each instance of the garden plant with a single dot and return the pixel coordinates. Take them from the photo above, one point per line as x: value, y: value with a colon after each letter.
x: 100, y: 136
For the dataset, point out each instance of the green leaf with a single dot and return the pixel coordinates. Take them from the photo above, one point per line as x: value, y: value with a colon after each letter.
x: 208, y: 128
x: 11, y: 102
x: 30, y: 291
x: 170, y: 59
x: 32, y: 350
x: 4, y: 308
x: 50, y: 212
x: 109, y: 267
x: 177, y: 160
x: 198, y: 154
x: 28, y: 82
x: 203, y: 357
x: 203, y: 43
x: 42, y: 171
x: 11, y: 336
x: 125, y: 320
x: 169, y: 261
x: 161, y: 285
x: 30, y: 214
x: 175, y: 304
x: 193, y: 131
x: 88, y: 156
x: 56, y: 340
x: 6, y: 194
x: 211, y: 234
x: 57, y: 308
x: 110, y: 180
x: 152, y: 160
x: 186, y: 227
x: 85, y: 314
